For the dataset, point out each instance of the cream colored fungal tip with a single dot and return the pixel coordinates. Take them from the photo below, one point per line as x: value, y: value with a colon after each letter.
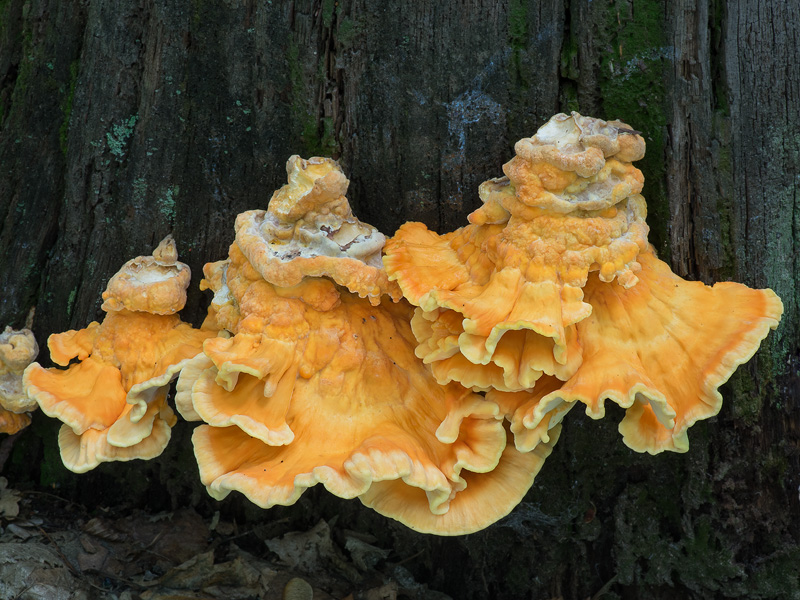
x: 166, y: 253
x: 154, y: 284
x: 18, y: 349
x: 309, y: 230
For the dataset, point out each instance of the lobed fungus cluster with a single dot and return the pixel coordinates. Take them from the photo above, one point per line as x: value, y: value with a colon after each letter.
x: 319, y: 383
x: 113, y: 400
x: 427, y: 375
x: 18, y: 349
x: 552, y: 295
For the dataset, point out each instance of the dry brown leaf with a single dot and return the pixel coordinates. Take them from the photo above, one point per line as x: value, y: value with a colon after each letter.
x: 9, y: 500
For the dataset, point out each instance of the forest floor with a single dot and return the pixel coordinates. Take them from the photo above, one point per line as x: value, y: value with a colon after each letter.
x: 54, y: 549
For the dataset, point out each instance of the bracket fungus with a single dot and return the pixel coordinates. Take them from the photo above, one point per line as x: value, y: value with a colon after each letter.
x: 499, y: 299
x: 18, y: 349
x: 552, y: 294
x: 307, y: 369
x: 319, y: 382
x: 113, y: 400
x: 309, y: 230
x: 660, y: 350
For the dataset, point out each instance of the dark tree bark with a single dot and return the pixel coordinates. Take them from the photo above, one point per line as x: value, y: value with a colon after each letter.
x: 122, y: 121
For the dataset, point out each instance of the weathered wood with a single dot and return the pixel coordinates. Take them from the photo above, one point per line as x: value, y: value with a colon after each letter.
x: 122, y: 121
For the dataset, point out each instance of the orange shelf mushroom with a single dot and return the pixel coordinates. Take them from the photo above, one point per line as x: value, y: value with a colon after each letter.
x: 660, y: 350
x: 309, y: 230
x: 499, y: 299
x: 552, y: 295
x: 18, y: 349
x: 319, y: 382
x: 113, y: 400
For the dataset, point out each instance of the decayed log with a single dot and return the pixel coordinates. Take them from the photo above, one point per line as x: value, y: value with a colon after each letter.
x: 123, y: 121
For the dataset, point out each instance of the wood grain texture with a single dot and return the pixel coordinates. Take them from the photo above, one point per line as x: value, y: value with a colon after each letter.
x: 122, y: 121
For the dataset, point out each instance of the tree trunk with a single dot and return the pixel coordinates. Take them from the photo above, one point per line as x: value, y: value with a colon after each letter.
x: 122, y: 121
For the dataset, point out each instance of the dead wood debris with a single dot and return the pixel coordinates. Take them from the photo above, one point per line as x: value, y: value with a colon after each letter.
x: 53, y: 549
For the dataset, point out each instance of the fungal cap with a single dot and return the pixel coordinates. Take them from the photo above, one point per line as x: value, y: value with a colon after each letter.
x: 154, y: 284
x: 309, y: 230
x: 18, y: 349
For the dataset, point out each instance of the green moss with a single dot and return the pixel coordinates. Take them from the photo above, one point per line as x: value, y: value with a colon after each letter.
x: 4, y: 15
x: 318, y: 135
x: 569, y: 58
x: 777, y: 576
x: 569, y: 93
x: 347, y: 31
x: 705, y: 562
x: 66, y: 107
x: 724, y: 167
x: 52, y: 473
x: 717, y: 25
x: 517, y: 39
x: 139, y: 191
x: 744, y: 396
x: 647, y: 554
x: 329, y: 141
x: 775, y: 465
x: 296, y: 81
x: 25, y: 72
x: 640, y: 552
x: 570, y: 74
x: 328, y: 8
x: 166, y: 205
x: 71, y: 301
x: 632, y: 79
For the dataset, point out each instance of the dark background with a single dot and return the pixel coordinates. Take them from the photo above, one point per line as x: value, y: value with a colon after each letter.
x: 122, y: 121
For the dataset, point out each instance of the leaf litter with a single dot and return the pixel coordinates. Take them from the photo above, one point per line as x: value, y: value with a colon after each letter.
x: 53, y: 549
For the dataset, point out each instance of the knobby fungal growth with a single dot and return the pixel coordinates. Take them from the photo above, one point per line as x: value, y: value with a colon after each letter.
x: 319, y: 382
x: 552, y: 295
x: 427, y: 375
x: 18, y: 349
x: 113, y: 401
x: 309, y: 230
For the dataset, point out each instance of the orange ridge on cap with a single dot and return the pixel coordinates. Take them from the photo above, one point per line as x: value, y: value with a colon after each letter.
x: 660, y: 350
x: 113, y: 401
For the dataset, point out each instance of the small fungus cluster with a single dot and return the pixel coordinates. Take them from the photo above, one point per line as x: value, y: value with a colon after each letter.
x: 113, y: 401
x: 427, y: 375
x: 18, y: 349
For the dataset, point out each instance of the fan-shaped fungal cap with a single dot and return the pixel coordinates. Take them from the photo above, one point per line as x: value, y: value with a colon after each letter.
x: 508, y: 295
x: 498, y: 299
x: 113, y: 400
x: 309, y: 230
x: 116, y: 395
x: 660, y: 350
x: 155, y: 284
x: 18, y: 349
x: 311, y: 359
x: 276, y: 402
x: 81, y: 453
x: 485, y: 499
